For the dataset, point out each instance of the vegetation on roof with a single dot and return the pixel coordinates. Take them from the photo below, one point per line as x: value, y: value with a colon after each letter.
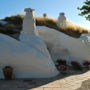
x: 14, y: 25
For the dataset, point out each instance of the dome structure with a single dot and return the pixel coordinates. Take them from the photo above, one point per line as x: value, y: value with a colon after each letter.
x: 29, y: 56
x: 62, y: 46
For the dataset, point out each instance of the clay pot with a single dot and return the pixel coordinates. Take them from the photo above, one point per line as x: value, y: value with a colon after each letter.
x: 8, y: 72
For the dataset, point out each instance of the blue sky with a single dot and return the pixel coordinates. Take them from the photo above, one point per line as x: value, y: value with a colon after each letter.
x: 51, y: 7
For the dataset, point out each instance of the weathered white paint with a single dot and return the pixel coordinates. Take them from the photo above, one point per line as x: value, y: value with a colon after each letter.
x: 28, y: 57
x: 62, y: 46
x: 61, y: 22
x: 29, y: 22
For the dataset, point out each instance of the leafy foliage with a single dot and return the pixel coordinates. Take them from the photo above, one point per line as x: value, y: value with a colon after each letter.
x: 85, y: 10
x: 76, y: 65
x: 86, y: 64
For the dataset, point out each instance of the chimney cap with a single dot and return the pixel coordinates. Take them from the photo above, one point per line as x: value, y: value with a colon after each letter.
x: 29, y: 10
x: 62, y: 13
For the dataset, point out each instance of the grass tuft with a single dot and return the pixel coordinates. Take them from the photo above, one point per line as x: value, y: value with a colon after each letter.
x: 15, y: 22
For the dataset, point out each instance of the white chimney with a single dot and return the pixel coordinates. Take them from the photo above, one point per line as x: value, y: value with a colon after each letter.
x: 61, y: 22
x: 29, y: 26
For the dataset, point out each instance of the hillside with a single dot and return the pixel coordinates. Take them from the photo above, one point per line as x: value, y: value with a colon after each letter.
x: 14, y: 26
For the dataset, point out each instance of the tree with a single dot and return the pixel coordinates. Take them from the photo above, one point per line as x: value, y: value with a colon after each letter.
x: 85, y: 10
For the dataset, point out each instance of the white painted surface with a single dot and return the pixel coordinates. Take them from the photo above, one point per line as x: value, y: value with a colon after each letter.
x: 29, y: 57
x: 28, y: 22
x: 61, y: 22
x: 62, y: 46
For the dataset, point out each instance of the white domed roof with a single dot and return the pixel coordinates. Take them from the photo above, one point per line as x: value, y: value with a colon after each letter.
x: 85, y: 37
